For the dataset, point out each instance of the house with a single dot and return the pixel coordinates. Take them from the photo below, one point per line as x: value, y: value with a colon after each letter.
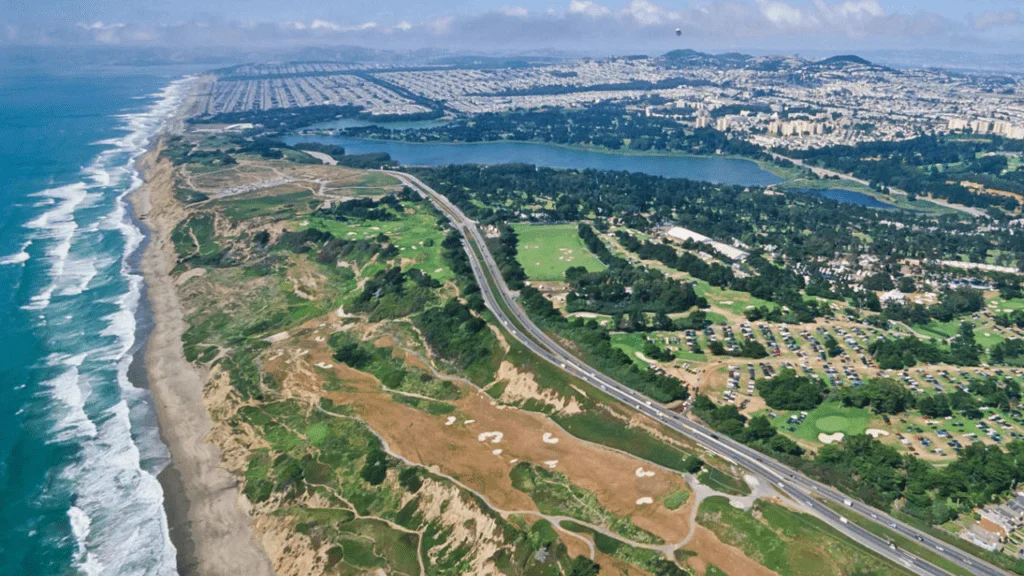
x: 995, y: 520
x: 893, y: 296
x: 979, y: 536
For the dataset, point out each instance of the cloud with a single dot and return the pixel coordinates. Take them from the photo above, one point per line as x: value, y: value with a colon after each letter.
x: 588, y: 8
x: 517, y: 11
x: 989, y: 20
x: 595, y: 25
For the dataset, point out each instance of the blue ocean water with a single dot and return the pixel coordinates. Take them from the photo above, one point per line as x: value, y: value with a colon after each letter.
x: 79, y: 447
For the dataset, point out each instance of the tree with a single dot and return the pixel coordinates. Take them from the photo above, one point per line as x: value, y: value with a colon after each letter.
x: 788, y: 391
x: 906, y: 285
x: 879, y: 282
x: 375, y: 470
x: 583, y: 566
x: 409, y: 478
x: 964, y: 350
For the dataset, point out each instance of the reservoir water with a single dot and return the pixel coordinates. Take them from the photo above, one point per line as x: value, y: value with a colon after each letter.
x: 717, y: 170
x: 849, y: 197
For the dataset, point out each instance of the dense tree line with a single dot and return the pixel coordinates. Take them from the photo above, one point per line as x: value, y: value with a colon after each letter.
x: 606, y: 124
x: 594, y: 343
x: 788, y: 391
x: 395, y: 293
x: 899, y: 353
x: 928, y: 165
x: 455, y: 334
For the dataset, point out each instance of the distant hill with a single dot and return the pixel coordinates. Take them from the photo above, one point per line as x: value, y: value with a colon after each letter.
x: 687, y: 57
x: 842, y: 60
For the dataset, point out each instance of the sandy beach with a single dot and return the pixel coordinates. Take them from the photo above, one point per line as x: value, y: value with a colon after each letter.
x: 209, y: 522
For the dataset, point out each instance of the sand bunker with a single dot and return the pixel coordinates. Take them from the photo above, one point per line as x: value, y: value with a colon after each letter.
x: 549, y: 439
x: 644, y: 501
x: 875, y: 432
x: 279, y: 337
x: 324, y: 365
x: 551, y: 463
x: 450, y: 421
x: 494, y: 437
x: 831, y: 438
x: 467, y: 422
x: 497, y: 451
x: 641, y: 473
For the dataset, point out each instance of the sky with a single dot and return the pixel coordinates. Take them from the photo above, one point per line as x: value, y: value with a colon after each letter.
x: 583, y: 26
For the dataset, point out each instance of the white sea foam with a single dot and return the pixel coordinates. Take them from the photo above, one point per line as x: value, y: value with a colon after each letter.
x: 19, y: 257
x: 117, y: 518
x: 56, y: 226
x: 72, y: 421
x: 127, y: 531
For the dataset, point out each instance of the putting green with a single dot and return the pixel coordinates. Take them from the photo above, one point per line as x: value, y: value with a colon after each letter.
x: 830, y: 424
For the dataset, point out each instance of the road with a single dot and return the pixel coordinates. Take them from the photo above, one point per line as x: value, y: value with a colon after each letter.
x: 801, y: 489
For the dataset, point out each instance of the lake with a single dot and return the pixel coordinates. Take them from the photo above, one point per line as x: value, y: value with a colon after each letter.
x: 848, y: 197
x: 717, y: 170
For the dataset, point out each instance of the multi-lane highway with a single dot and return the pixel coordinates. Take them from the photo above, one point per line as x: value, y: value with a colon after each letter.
x: 789, y: 482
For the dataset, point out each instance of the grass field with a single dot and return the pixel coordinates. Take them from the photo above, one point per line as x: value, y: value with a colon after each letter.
x: 633, y: 343
x: 718, y: 480
x: 790, y: 543
x: 901, y: 541
x: 731, y: 300
x: 547, y: 251
x: 828, y: 418
x: 983, y: 331
x: 416, y: 235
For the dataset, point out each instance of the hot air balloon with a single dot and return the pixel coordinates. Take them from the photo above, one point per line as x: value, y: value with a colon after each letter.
x: 679, y: 32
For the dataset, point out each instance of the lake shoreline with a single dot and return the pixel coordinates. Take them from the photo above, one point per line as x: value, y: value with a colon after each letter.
x: 725, y: 170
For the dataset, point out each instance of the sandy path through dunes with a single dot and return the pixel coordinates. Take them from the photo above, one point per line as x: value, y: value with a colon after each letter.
x: 219, y: 526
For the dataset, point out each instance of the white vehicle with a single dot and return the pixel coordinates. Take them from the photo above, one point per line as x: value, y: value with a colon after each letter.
x: 848, y: 502
x: 844, y: 520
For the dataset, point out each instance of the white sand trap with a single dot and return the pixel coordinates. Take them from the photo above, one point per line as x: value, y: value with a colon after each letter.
x: 468, y: 421
x: 450, y: 421
x: 350, y: 234
x: 318, y: 339
x: 644, y: 501
x: 549, y: 439
x: 494, y: 437
x: 280, y: 336
x: 875, y: 432
x: 551, y: 463
x: 513, y: 461
x: 641, y: 473
x: 324, y: 366
x: 727, y: 302
x: 831, y: 438
x: 497, y: 451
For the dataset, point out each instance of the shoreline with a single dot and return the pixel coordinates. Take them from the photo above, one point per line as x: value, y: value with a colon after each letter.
x: 175, y: 502
x: 207, y: 517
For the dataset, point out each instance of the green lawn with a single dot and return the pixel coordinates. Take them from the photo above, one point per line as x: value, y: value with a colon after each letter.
x: 945, y: 330
x: 731, y: 300
x: 828, y: 418
x: 633, y: 342
x: 416, y: 235
x: 716, y: 479
x: 546, y: 251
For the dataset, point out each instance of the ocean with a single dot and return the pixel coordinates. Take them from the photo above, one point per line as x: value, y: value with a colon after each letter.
x: 79, y: 445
